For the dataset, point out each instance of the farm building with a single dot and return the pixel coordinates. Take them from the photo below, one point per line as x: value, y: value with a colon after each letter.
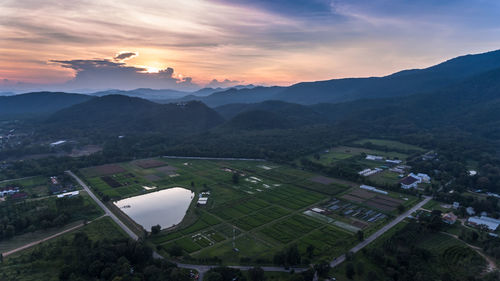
x: 449, y: 218
x: 491, y: 223
x: 57, y: 143
x: 8, y: 191
x: 409, y: 182
x: 421, y: 177
x: 68, y: 194
x: 393, y: 161
x: 374, y: 158
x: 371, y: 188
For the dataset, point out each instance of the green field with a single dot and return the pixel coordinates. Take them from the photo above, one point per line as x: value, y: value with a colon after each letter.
x: 390, y: 144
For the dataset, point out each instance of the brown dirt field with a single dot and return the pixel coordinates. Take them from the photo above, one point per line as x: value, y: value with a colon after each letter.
x: 149, y: 163
x: 152, y: 177
x: 379, y: 206
x: 388, y: 200
x: 359, y: 224
x: 353, y: 198
x: 103, y: 170
x: 322, y: 180
x: 362, y: 193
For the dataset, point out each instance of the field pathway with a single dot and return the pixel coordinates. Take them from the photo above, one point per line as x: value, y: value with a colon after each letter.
x: 42, y: 240
x: 337, y: 261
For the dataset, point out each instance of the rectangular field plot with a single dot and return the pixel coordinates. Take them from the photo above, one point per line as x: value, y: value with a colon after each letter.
x: 291, y: 228
x: 374, y: 200
x: 149, y: 163
x: 103, y: 170
x: 247, y: 245
x: 327, y: 240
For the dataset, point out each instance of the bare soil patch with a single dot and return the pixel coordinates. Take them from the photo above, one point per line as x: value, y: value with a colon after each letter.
x: 149, y: 163
x: 322, y: 180
x: 103, y: 170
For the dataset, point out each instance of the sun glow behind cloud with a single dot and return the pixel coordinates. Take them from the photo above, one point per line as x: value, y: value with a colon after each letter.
x: 261, y: 42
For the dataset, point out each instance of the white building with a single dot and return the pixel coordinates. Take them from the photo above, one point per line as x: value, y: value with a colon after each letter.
x: 69, y: 194
x: 491, y: 223
x: 374, y: 189
x: 374, y: 157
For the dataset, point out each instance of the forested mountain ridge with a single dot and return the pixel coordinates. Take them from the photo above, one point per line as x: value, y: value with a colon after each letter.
x: 38, y: 103
x: 117, y: 114
x: 403, y: 83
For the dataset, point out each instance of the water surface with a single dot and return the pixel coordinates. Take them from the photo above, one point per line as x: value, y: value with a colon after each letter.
x: 166, y: 207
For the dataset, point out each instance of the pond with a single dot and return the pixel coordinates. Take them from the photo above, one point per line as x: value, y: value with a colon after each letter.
x: 165, y: 207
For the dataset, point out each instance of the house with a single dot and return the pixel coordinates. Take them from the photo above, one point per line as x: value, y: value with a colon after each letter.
x: 374, y: 158
x: 490, y: 223
x: 456, y: 205
x: 421, y: 177
x: 409, y: 182
x: 470, y: 211
x: 449, y: 218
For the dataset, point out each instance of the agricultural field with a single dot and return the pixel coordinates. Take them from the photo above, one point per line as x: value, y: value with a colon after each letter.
x: 254, y: 208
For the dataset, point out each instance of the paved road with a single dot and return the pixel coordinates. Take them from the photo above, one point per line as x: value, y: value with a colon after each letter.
x: 379, y: 232
x: 104, y: 208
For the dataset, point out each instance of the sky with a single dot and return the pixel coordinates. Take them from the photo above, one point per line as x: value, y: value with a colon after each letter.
x: 85, y: 45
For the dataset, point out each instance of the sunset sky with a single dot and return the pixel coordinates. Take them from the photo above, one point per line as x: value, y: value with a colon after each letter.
x: 187, y: 44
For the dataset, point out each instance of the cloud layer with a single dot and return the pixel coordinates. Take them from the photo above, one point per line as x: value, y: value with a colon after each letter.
x: 259, y: 41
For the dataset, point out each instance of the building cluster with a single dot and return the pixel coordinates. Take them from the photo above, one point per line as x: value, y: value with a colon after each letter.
x: 369, y: 172
x: 412, y: 180
x: 381, y: 158
x: 203, y: 198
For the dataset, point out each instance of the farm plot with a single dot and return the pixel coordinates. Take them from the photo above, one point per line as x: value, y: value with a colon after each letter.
x: 381, y: 202
x: 103, y: 170
x: 149, y: 163
x: 290, y: 229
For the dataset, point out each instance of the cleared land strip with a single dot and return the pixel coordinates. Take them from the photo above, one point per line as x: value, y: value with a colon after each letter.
x: 379, y: 232
x: 103, y: 207
x: 42, y: 240
x: 213, y: 158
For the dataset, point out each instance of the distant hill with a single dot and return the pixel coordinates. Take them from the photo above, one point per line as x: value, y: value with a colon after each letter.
x: 38, y: 103
x: 117, y: 114
x: 294, y: 114
x: 145, y: 93
x: 403, y: 83
x: 472, y: 105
